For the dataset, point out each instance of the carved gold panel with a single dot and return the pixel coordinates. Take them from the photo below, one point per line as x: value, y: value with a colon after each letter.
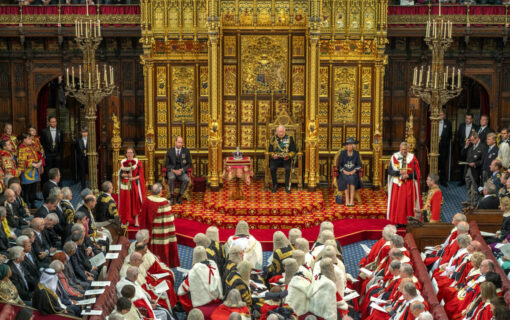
x: 365, y: 138
x: 228, y: 10
x: 298, y: 80
x: 264, y: 13
x: 247, y: 136
x: 323, y: 82
x: 323, y: 138
x: 204, y: 135
x: 159, y: 17
x: 366, y: 82
x: 246, y: 13
x: 355, y: 17
x: 261, y: 136
x: 351, y: 132
x: 176, y: 131
x: 326, y: 14
x: 230, y: 136
x: 336, y: 138
x: 340, y: 17
x: 202, y: 15
x: 230, y: 111
x: 246, y: 111
x: 366, y: 110
x: 368, y: 19
x: 173, y: 19
x: 323, y: 112
x: 298, y: 111
x: 191, y: 137
x: 298, y: 46
x: 261, y: 166
x: 264, y: 108
x: 183, y: 88
x: 162, y: 138
x: 366, y: 169
x: 300, y: 12
x: 230, y: 46
x: 345, y: 94
x: 264, y: 64
x: 187, y: 16
x: 282, y: 13
x: 162, y: 114
x: 204, y: 78
x: 204, y: 111
x: 230, y: 76
x: 161, y: 76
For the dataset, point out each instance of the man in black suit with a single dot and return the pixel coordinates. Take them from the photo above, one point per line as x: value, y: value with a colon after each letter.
x: 81, y: 264
x: 462, y: 135
x: 490, y: 155
x: 20, y: 206
x: 82, y: 160
x: 474, y: 151
x: 48, y: 206
x: 19, y: 276
x: 30, y: 263
x: 14, y: 221
x: 490, y: 200
x: 445, y: 138
x: 51, y: 141
x: 41, y: 244
x: 4, y: 241
x: 53, y: 181
x: 70, y: 250
x: 177, y: 163
x: 484, y: 129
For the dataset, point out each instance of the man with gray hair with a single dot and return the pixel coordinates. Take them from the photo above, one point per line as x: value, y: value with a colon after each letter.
x: 282, y: 150
x: 490, y: 198
x: 157, y: 216
x: 20, y: 277
x: 106, y: 208
x: 30, y: 262
x: 381, y: 248
x: 70, y: 250
x: 66, y: 205
x: 473, y: 151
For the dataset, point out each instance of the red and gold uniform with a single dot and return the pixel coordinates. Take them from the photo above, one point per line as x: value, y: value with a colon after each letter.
x: 13, y: 140
x: 8, y: 163
x: 432, y: 206
x: 132, y: 193
x: 26, y: 157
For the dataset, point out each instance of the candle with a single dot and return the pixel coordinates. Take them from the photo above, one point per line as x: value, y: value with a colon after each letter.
x: 67, y: 77
x: 435, y: 80
x: 421, y: 76
x: 458, y: 78
x: 79, y: 82
x: 105, y: 78
x: 95, y: 29
x: 75, y: 29
x: 99, y: 26
x: 453, y: 78
x: 434, y: 28
x: 446, y: 75
x: 428, y: 77
x: 90, y: 81
x: 86, y: 29
x: 414, y: 76
x: 72, y: 70
x: 111, y: 75
x: 427, y: 29
x: 451, y: 28
x: 98, y: 78
x: 444, y: 80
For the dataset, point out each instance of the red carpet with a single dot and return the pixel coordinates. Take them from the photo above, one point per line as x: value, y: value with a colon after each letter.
x: 265, y: 210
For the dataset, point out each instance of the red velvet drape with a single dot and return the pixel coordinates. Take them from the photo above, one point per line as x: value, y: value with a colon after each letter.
x: 484, y: 102
x: 42, y: 106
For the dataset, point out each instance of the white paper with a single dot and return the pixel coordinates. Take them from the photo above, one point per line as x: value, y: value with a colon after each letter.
x: 365, y: 248
x: 158, y: 276
x: 351, y: 296
x: 162, y: 287
x: 98, y: 260
x: 115, y: 247
x: 259, y: 294
x: 429, y: 248
x: 94, y: 292
x: 92, y: 313
x: 366, y: 271
x: 112, y: 255
x: 499, y: 245
x: 377, y: 300
x: 505, y: 249
x: 86, y: 302
x: 487, y: 234
x: 377, y: 307
x: 182, y: 270
x: 100, y: 283
x: 257, y: 285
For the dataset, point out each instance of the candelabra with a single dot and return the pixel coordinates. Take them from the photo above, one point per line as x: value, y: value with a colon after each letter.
x: 433, y: 86
x: 90, y: 88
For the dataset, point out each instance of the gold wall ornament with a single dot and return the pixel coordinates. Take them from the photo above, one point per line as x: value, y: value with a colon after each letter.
x: 264, y: 109
x: 298, y: 46
x: 230, y: 111
x: 282, y: 13
x: 365, y: 138
x: 264, y: 64
x: 323, y: 138
x: 187, y: 17
x: 202, y: 16
x: 230, y: 46
x: 326, y: 14
x: 228, y: 13
x: 159, y: 17
x: 246, y: 111
x: 365, y: 164
x: 204, y: 135
x: 176, y: 131
x: 264, y: 13
x: 230, y: 80
x: 161, y: 76
x: 191, y: 137
x: 366, y: 112
x: 355, y: 17
x: 183, y: 88
x: 369, y: 20
x: 345, y: 94
x: 204, y: 112
x: 162, y: 138
x: 323, y: 82
x: 247, y: 135
x: 298, y: 80
x: 351, y: 132
x: 300, y: 12
x: 298, y: 111
x: 203, y: 81
x: 230, y: 136
x: 246, y: 13
x: 336, y: 138
x: 116, y: 142
x: 162, y: 112
x: 366, y: 82
x: 340, y: 18
x: 173, y: 19
x: 323, y: 114
x: 261, y: 136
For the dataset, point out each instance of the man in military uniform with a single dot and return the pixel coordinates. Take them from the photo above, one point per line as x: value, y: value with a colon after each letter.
x: 495, y: 175
x: 106, y: 208
x: 8, y: 163
x: 490, y: 155
x: 282, y: 149
x: 474, y: 151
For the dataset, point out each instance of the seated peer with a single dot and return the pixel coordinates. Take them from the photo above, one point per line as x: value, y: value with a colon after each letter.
x: 8, y: 291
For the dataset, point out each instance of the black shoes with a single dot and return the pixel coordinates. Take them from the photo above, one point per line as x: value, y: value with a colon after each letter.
x: 275, y: 188
x: 179, y: 199
x: 287, y: 189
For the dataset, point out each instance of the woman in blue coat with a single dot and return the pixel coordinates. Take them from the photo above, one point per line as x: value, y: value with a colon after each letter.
x: 349, y: 164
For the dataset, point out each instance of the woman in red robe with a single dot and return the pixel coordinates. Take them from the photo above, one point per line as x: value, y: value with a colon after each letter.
x: 132, y: 188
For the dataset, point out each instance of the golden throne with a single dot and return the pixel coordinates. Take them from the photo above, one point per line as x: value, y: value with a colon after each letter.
x: 293, y: 129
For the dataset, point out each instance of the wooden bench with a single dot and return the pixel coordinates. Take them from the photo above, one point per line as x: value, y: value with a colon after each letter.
x: 430, y: 234
x: 487, y: 220
x: 420, y: 271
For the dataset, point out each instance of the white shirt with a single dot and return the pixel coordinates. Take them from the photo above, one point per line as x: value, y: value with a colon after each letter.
x: 468, y: 129
x: 84, y: 142
x: 441, y: 125
x: 53, y: 132
x: 178, y: 151
x: 481, y: 129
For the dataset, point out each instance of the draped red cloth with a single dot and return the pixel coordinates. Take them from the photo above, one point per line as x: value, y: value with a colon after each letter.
x: 42, y: 106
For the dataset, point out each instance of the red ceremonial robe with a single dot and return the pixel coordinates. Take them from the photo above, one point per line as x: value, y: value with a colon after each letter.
x: 157, y: 216
x: 223, y: 312
x: 132, y: 193
x: 433, y: 257
x: 373, y: 254
x: 403, y: 195
x: 433, y: 204
x: 151, y: 280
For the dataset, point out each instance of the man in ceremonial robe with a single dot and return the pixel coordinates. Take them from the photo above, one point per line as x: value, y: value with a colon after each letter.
x: 45, y: 298
x: 431, y: 211
x: 240, y: 280
x: 251, y: 246
x: 377, y: 251
x: 282, y: 249
x: 281, y: 149
x: 7, y: 135
x: 213, y: 252
x: 213, y: 234
x: 429, y: 257
x: 403, y: 186
x: 106, y: 207
x: 157, y: 216
x: 8, y: 162
x: 67, y: 206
